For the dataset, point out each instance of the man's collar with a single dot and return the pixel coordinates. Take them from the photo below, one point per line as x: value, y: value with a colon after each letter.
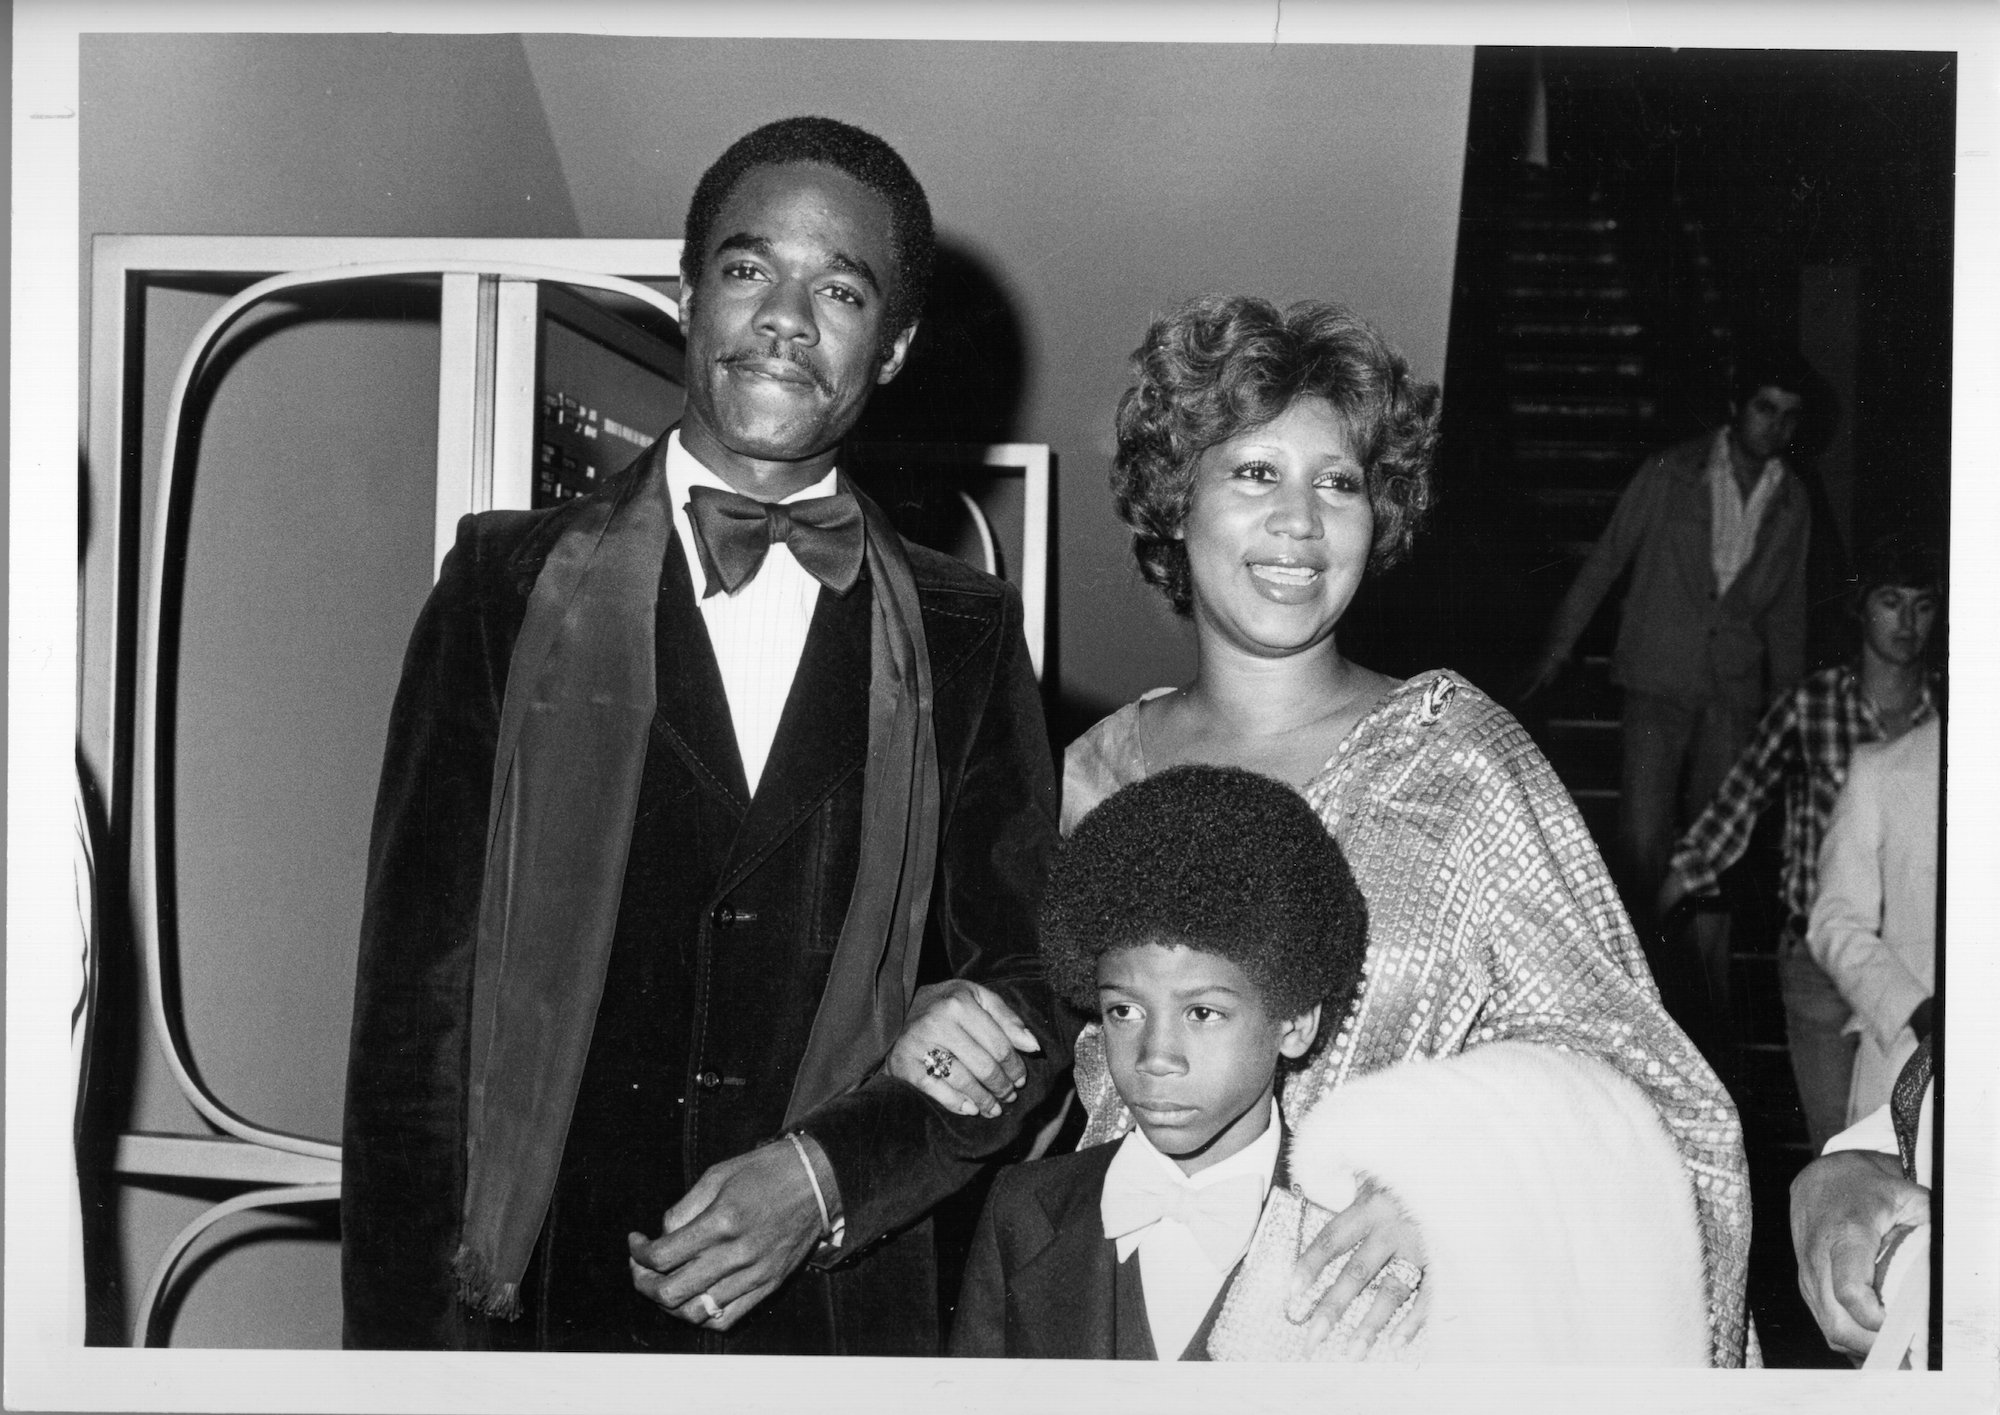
x: 1923, y: 712
x: 1720, y: 463
x: 685, y: 471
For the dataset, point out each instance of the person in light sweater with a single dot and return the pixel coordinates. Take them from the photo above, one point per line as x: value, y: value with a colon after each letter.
x: 1874, y: 922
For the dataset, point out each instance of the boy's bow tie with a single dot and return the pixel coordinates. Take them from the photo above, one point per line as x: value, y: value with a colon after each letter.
x: 1221, y: 1216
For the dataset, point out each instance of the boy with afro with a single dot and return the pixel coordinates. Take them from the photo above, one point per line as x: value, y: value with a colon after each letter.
x: 1206, y: 917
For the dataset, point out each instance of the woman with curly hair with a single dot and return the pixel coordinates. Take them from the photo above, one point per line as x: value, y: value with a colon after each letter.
x: 1268, y: 462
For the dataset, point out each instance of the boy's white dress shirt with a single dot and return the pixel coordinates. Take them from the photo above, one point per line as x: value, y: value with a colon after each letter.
x: 1180, y: 1276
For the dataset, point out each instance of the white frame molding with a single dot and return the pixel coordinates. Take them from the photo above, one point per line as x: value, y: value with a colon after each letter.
x: 1034, y: 461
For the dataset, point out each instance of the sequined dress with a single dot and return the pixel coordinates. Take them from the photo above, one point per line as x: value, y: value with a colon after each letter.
x: 1491, y: 917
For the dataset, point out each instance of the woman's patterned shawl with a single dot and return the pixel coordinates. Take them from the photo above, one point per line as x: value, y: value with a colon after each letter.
x: 1490, y: 917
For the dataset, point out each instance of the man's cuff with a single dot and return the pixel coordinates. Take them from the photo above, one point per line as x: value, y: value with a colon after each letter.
x: 827, y: 1188
x: 1874, y: 1132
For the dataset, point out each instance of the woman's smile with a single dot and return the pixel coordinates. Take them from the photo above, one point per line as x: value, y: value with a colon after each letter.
x: 1278, y: 530
x: 1285, y: 581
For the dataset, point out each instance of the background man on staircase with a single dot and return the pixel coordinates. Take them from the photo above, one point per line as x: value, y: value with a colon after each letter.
x: 1715, y: 531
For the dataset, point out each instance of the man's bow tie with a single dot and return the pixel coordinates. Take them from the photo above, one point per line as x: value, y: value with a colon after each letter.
x: 733, y: 532
x: 1221, y: 1216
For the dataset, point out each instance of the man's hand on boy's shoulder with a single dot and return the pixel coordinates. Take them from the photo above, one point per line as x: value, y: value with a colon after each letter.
x: 961, y: 1047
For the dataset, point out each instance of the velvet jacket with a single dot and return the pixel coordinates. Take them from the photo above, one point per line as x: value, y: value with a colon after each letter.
x: 1044, y: 1281
x: 730, y: 910
x: 1676, y: 637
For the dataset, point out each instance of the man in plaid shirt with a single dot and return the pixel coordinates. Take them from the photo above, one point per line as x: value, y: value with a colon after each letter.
x: 1804, y: 742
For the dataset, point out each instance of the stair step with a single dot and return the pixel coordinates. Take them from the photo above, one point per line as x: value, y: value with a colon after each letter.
x: 1543, y: 463
x: 1760, y: 1011
x: 1611, y: 294
x: 1599, y: 810
x: 1539, y: 257
x: 1562, y: 224
x: 1766, y: 1093
x: 1531, y: 406
x: 1570, y: 515
x: 1584, y: 694
x: 1592, y: 498
x: 1573, y: 367
x: 1548, y: 450
x: 1594, y: 331
x: 1587, y: 757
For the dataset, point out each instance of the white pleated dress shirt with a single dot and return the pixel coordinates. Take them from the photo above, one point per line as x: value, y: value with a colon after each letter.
x: 758, y: 633
x: 1734, y: 517
x: 1179, y: 1279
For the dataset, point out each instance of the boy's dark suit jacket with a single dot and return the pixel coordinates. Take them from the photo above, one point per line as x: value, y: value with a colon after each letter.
x: 726, y: 928
x: 1044, y: 1281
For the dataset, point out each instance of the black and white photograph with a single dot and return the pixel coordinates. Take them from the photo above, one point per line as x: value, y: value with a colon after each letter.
x: 1017, y: 689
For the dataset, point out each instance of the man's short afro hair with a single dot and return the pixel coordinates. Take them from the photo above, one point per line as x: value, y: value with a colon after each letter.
x: 1217, y: 859
x: 845, y: 148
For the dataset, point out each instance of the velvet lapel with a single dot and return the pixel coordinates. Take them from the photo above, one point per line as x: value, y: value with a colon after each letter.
x: 822, y: 735
x: 693, y: 706
x: 1071, y: 1286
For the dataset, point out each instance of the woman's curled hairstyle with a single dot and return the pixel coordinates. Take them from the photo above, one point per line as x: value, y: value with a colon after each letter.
x: 1221, y: 364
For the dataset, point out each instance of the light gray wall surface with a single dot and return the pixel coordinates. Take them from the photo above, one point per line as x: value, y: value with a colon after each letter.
x: 1101, y: 184
x: 1097, y: 184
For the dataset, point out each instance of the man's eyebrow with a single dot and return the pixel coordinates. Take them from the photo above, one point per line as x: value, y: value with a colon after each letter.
x: 838, y: 260
x: 853, y: 265
x: 744, y: 241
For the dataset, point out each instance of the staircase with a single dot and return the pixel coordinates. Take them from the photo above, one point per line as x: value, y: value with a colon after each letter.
x: 1602, y: 332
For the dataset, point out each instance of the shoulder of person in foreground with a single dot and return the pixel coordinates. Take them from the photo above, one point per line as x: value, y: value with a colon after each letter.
x: 1029, y: 1209
x: 1442, y: 711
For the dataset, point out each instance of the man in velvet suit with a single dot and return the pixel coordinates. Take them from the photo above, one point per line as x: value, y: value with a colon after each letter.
x: 688, y: 785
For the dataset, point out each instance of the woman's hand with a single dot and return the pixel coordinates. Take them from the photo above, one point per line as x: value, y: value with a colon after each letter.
x: 960, y: 1046
x: 1380, y: 1236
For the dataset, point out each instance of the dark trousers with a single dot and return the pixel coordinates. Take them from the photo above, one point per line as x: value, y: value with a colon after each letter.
x: 1822, y: 1054
x: 1676, y: 753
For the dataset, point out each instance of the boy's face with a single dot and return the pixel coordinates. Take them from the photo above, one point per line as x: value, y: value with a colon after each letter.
x: 1896, y: 622
x: 1193, y: 1049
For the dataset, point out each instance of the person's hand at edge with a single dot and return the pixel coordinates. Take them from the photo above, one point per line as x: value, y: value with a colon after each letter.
x: 1843, y: 1206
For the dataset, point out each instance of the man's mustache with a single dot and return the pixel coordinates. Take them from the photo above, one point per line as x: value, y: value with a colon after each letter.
x: 798, y: 358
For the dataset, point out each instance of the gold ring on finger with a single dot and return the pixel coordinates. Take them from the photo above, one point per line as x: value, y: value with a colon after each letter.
x: 1404, y: 1271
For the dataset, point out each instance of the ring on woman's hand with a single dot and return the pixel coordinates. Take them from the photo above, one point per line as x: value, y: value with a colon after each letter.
x: 1404, y: 1271
x: 938, y: 1063
x: 709, y: 1310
